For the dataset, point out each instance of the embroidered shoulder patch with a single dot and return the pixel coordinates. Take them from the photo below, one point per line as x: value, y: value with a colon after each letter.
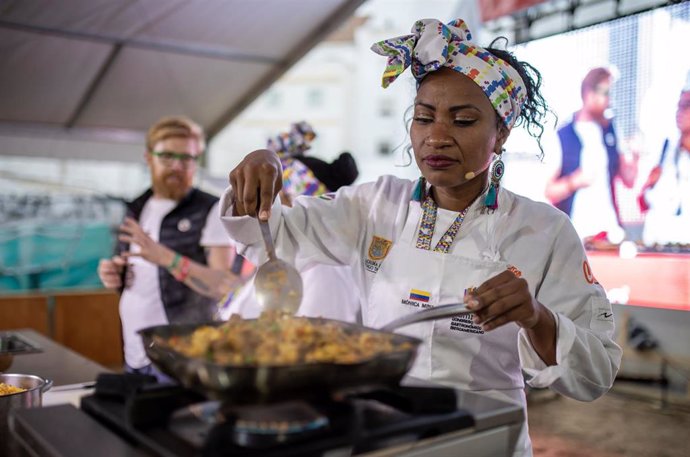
x: 379, y: 247
x: 589, y: 276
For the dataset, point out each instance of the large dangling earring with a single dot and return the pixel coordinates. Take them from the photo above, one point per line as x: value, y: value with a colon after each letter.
x: 497, y: 170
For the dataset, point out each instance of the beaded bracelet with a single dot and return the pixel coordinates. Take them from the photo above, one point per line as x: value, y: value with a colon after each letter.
x: 174, y: 263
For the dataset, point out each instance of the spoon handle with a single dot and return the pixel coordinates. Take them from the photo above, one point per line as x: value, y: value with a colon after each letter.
x: 268, y: 239
x: 437, y: 312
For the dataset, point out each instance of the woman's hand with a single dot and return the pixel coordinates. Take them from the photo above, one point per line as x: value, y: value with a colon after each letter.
x: 132, y: 233
x: 506, y: 298
x: 255, y: 183
x: 502, y: 299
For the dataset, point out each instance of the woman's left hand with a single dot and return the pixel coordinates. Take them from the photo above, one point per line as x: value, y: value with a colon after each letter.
x: 502, y: 299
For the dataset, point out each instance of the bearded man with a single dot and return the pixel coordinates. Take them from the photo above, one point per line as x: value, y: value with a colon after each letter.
x: 173, y: 259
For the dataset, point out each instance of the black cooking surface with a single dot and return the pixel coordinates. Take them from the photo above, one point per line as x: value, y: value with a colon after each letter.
x: 168, y: 420
x: 15, y: 345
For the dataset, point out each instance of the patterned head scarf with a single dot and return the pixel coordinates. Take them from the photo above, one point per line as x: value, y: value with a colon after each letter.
x: 433, y: 45
x: 295, y: 142
x: 303, y: 130
x: 298, y: 179
x: 312, y: 176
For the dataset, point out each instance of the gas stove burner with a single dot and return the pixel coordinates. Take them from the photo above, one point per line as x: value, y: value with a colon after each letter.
x: 194, y: 422
x: 268, y: 425
x: 172, y: 421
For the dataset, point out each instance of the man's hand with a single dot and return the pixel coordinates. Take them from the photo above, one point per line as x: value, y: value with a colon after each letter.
x: 653, y: 178
x: 255, y: 183
x: 132, y: 233
x: 579, y: 180
x: 110, y: 272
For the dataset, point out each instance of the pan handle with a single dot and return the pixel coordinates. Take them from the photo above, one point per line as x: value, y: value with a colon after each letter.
x: 429, y: 314
x: 47, y: 384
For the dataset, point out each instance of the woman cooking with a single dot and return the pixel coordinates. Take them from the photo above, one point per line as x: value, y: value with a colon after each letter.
x: 451, y: 235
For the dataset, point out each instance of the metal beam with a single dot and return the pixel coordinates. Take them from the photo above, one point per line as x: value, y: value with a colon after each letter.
x: 161, y: 46
x: 325, y: 28
x: 93, y: 85
x: 58, y: 132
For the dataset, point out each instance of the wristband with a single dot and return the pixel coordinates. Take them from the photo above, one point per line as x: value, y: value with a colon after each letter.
x: 174, y: 263
x: 184, y: 269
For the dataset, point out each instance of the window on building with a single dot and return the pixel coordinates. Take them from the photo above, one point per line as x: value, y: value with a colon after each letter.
x: 315, y: 98
x: 274, y: 99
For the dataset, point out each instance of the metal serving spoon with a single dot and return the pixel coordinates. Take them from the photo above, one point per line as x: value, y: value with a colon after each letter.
x: 277, y: 284
x: 429, y: 314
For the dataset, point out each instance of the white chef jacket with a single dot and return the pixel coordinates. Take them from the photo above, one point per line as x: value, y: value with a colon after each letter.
x: 372, y: 227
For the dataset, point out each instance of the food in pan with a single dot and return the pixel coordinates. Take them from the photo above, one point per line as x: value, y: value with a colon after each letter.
x: 276, y: 338
x: 6, y: 389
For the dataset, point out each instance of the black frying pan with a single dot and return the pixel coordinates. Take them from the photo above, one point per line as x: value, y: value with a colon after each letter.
x: 261, y: 384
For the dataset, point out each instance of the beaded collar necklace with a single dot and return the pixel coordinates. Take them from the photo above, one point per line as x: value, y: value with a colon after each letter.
x: 428, y: 224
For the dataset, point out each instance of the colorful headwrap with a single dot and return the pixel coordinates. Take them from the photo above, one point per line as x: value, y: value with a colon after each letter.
x: 303, y: 129
x: 298, y: 179
x: 295, y: 142
x: 433, y: 45
x: 306, y: 175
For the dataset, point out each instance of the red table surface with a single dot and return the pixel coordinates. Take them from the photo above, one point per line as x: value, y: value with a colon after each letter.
x: 655, y: 280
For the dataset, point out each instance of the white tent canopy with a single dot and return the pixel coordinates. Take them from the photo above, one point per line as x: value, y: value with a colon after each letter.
x: 85, y: 78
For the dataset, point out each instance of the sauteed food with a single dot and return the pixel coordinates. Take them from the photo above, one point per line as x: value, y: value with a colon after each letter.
x: 6, y: 389
x: 276, y: 338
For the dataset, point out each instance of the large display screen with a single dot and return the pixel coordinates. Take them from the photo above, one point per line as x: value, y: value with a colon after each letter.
x: 623, y: 176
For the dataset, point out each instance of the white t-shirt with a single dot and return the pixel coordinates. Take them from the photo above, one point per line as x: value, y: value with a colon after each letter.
x: 141, y: 304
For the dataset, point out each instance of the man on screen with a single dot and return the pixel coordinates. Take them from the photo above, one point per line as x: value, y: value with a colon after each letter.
x: 590, y: 161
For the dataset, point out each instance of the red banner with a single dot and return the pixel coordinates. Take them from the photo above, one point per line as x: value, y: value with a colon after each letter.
x: 493, y: 9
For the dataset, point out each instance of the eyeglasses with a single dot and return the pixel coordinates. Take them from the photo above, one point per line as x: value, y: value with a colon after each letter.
x: 167, y: 158
x: 602, y: 91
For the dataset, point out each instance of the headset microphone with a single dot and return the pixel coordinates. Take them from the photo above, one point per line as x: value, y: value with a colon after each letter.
x: 472, y: 174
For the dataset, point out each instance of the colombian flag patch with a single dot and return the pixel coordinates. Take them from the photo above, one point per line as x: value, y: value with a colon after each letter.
x: 420, y: 295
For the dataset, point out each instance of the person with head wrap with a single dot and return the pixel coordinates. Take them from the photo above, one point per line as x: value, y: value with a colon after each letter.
x: 303, y: 134
x: 328, y: 290
x: 666, y: 194
x: 295, y: 142
x: 454, y: 234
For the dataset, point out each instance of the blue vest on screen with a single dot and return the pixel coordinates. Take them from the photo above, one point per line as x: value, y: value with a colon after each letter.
x: 571, y: 148
x: 181, y: 303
